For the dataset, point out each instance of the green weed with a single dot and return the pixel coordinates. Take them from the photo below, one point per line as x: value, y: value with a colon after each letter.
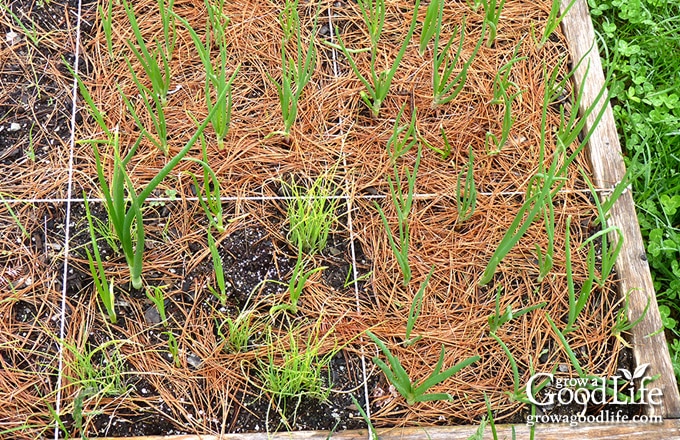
x: 397, y: 375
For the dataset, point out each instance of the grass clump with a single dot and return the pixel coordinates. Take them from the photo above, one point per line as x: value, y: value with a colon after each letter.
x: 311, y: 211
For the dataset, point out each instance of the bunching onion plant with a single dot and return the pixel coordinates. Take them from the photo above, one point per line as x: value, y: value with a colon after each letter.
x: 101, y: 283
x: 553, y: 21
x: 502, y: 96
x: 577, y: 305
x: 413, y: 392
x: 446, y: 88
x: 431, y: 24
x: 311, y: 211
x: 123, y: 203
x: 297, y: 282
x: 414, y: 311
x: 153, y: 98
x: 373, y: 14
x: 217, y: 78
x: 547, y: 182
x: 295, y: 73
x: 492, y: 14
x: 397, y: 146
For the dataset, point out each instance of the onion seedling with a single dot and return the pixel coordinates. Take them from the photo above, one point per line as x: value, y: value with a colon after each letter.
x: 216, y: 77
x: 492, y: 14
x: 431, y: 25
x: 497, y: 320
x: 545, y: 261
x: 546, y: 183
x: 577, y: 305
x: 159, y: 74
x: 414, y: 311
x: 402, y: 205
x: 445, y: 88
x: 553, y: 21
x: 295, y: 75
x: 297, y: 282
x: 125, y: 211
x: 373, y: 13
x: 412, y: 392
x: 101, y: 283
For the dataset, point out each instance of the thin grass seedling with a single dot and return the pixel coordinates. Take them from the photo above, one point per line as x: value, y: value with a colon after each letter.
x: 107, y: 25
x: 431, y: 25
x: 297, y: 282
x: 489, y: 419
x: 402, y: 205
x: 295, y: 74
x: 301, y: 369
x: 349, y: 281
x: 33, y: 34
x: 377, y: 88
x: 311, y: 212
x: 123, y: 204
x: 239, y: 331
x: 446, y: 88
x: 497, y: 320
x: 20, y: 225
x: 397, y: 375
x: 466, y: 194
x: 102, y: 286
x: 414, y: 311
x: 371, y: 428
x: 217, y: 77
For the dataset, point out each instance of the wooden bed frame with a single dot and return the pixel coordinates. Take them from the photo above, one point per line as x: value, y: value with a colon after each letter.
x: 649, y: 344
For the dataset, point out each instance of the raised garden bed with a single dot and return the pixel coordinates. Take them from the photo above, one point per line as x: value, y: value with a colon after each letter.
x: 172, y: 364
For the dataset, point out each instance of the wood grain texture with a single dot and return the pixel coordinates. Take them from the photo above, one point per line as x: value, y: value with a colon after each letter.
x: 667, y: 430
x: 649, y: 345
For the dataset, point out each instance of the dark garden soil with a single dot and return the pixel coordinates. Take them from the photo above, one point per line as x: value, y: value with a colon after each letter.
x: 173, y: 369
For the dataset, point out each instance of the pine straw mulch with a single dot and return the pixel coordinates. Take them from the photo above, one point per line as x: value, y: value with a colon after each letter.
x: 333, y: 129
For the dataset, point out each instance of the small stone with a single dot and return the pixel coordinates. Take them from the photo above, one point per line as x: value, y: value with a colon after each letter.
x: 194, y: 360
x: 151, y: 315
x: 12, y: 37
x: 14, y: 127
x: 563, y: 368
